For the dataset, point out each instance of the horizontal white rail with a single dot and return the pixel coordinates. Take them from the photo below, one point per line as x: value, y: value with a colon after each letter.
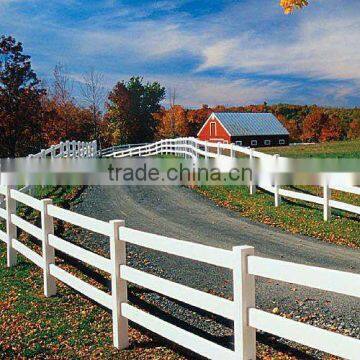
x: 3, y: 214
x: 349, y: 189
x: 3, y: 237
x: 80, y: 253
x: 196, y: 298
x: 301, y: 196
x: 83, y: 221
x: 311, y: 276
x: 28, y: 253
x: 171, y: 332
x: 346, y: 207
x: 330, y: 342
x: 186, y: 249
x: 26, y: 199
x: 27, y: 227
x: 81, y: 286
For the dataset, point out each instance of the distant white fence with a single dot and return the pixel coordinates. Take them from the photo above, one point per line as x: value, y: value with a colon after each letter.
x: 192, y: 147
x: 241, y: 260
x: 69, y: 149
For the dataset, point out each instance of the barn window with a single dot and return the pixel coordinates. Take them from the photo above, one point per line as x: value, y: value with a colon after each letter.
x: 213, y: 129
x: 253, y: 142
x: 238, y: 143
x: 267, y: 142
x: 281, y: 142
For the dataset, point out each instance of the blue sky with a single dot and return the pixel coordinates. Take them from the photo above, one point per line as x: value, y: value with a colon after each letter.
x: 213, y: 52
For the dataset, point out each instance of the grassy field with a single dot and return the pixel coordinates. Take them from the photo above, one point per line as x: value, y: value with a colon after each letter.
x: 335, y: 149
x: 64, y: 326
x: 294, y: 215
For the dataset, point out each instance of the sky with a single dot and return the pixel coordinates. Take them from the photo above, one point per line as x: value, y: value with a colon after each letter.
x: 211, y: 52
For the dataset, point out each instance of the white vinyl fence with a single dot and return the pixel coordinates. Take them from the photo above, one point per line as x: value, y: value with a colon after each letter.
x: 192, y: 147
x: 69, y: 149
x: 241, y: 260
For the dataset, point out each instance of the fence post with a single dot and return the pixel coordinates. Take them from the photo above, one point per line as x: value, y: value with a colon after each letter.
x: 78, y: 146
x: 48, y: 252
x: 244, y: 298
x: 206, y: 150
x: 73, y: 146
x: 95, y: 148
x: 61, y: 153
x: 67, y: 148
x: 52, y: 151
x: 88, y: 150
x: 118, y: 286
x: 10, y: 227
x: 327, y: 196
x: 252, y: 187
x: 42, y: 154
x: 218, y: 149
x: 276, y: 186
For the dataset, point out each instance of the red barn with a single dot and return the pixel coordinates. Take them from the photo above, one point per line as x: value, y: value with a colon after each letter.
x: 244, y: 129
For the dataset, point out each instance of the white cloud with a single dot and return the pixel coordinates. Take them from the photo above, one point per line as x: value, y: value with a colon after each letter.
x: 324, y: 48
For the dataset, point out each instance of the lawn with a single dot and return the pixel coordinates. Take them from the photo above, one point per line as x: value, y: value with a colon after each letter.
x: 64, y: 326
x: 297, y: 216
x: 335, y: 149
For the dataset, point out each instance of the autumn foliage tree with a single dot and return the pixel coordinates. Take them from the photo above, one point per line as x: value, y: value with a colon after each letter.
x: 313, y: 125
x: 290, y: 5
x: 21, y: 118
x: 65, y: 119
x: 172, y: 123
x: 332, y: 130
x: 354, y: 129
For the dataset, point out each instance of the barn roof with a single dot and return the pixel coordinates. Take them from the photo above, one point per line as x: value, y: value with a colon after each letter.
x: 243, y: 124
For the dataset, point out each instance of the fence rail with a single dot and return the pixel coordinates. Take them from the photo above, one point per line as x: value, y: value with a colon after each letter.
x: 241, y: 260
x: 192, y: 147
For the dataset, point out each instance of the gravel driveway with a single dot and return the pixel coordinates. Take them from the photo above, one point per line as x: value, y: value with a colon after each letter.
x: 184, y: 214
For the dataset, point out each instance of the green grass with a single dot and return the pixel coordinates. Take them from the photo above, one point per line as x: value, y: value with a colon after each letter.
x: 295, y: 216
x: 64, y: 326
x: 335, y: 149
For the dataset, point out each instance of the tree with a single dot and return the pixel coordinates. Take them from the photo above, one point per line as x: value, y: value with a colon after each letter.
x: 172, y: 97
x: 172, y: 123
x: 291, y: 126
x: 94, y: 96
x: 290, y: 5
x: 332, y: 130
x: 21, y: 95
x: 65, y: 119
x: 354, y: 129
x: 131, y: 106
x: 313, y: 125
x: 62, y: 86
